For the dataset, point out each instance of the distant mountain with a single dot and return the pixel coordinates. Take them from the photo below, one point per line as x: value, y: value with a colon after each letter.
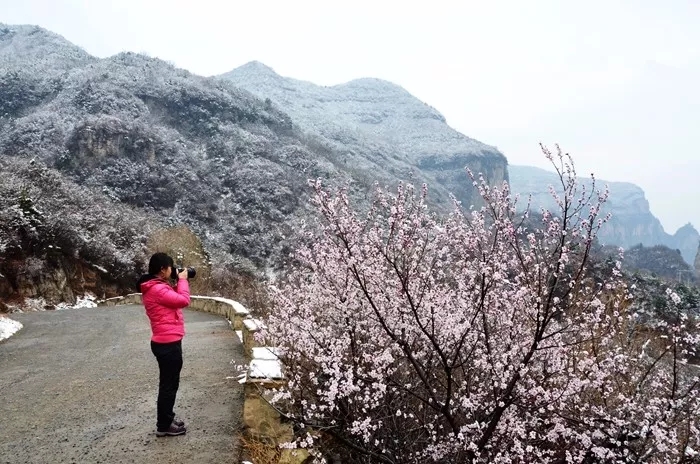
x: 631, y: 223
x: 39, y: 50
x: 372, y: 119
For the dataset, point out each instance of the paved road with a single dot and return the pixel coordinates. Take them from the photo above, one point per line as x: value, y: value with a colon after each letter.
x: 80, y: 386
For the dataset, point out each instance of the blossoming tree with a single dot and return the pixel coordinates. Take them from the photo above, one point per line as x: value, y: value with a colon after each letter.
x: 481, y: 336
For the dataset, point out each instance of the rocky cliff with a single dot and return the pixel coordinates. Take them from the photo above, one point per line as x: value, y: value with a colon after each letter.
x: 631, y: 222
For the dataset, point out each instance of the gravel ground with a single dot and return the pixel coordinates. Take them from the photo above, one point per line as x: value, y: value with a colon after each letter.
x: 80, y: 386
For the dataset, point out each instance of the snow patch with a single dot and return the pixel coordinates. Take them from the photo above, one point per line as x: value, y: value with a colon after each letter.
x: 8, y: 327
x: 254, y: 324
x: 266, y: 352
x: 265, y: 369
x: 86, y: 301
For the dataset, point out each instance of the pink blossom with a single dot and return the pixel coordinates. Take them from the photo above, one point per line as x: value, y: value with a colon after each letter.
x: 479, y: 336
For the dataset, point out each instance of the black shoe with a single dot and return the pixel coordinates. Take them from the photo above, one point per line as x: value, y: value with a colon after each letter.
x: 175, y: 421
x: 171, y: 431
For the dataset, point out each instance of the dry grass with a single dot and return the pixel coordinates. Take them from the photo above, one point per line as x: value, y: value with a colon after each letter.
x: 187, y: 250
x: 247, y: 289
x: 260, y: 452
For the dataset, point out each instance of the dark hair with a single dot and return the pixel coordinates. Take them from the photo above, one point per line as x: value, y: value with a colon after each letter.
x: 159, y: 261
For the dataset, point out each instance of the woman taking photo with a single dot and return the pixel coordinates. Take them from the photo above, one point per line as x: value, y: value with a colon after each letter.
x: 164, y: 306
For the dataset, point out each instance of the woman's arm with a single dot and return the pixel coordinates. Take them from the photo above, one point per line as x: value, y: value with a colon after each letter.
x: 175, y: 298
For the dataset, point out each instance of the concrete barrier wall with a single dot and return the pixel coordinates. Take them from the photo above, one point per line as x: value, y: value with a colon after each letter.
x: 230, y: 309
x: 132, y: 298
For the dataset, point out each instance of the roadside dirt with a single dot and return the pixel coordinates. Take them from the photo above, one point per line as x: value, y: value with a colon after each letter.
x: 80, y: 386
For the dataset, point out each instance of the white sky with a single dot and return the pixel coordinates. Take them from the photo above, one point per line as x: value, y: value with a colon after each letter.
x: 615, y: 83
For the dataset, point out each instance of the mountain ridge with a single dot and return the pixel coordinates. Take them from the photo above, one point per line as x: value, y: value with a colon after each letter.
x: 182, y: 150
x: 631, y: 222
x: 375, y: 116
x: 51, y: 51
x: 197, y: 153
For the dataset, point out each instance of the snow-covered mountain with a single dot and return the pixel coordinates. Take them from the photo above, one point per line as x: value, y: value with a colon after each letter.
x: 98, y: 156
x: 378, y: 120
x: 82, y: 140
x: 375, y: 115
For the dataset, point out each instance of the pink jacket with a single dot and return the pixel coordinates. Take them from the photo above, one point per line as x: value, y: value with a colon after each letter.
x: 164, y: 308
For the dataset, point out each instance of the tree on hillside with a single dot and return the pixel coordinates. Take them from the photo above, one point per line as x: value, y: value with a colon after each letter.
x: 47, y: 219
x: 483, y: 336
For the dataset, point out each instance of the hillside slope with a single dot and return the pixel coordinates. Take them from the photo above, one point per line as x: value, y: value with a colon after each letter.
x: 178, y: 149
x: 375, y: 120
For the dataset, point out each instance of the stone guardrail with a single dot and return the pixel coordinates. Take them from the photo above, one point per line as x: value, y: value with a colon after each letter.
x: 230, y: 309
x: 264, y: 373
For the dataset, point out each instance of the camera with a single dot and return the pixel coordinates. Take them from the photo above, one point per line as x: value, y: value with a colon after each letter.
x: 191, y: 272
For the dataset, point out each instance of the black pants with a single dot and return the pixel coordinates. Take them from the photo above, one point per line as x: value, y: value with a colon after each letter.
x: 169, y: 356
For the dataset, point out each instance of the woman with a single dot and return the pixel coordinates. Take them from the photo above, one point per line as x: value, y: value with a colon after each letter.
x: 164, y: 305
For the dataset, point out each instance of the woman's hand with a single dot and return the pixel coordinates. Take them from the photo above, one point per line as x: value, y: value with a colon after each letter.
x: 182, y: 274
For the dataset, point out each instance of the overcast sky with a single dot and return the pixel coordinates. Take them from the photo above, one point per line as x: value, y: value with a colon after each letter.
x: 616, y: 84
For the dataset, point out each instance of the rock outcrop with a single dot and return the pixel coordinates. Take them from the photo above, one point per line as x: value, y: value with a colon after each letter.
x: 53, y: 280
x: 631, y: 221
